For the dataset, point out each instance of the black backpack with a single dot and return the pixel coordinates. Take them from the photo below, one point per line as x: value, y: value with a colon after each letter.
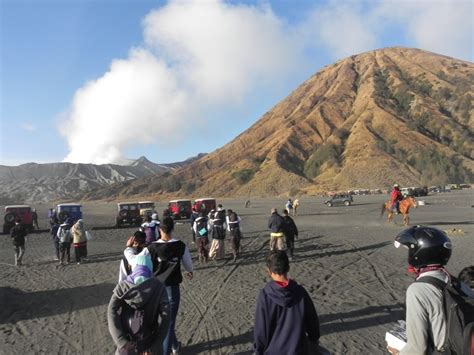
x: 459, y: 313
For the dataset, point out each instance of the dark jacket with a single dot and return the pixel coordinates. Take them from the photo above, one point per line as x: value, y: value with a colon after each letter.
x: 286, y: 321
x: 276, y: 223
x: 166, y: 258
x: 290, y: 228
x: 150, y: 297
x: 18, y: 234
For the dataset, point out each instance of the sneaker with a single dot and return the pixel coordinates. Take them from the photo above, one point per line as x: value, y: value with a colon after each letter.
x: 177, y: 350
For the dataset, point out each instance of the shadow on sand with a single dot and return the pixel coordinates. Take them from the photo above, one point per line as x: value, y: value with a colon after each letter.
x: 18, y: 305
x: 329, y: 324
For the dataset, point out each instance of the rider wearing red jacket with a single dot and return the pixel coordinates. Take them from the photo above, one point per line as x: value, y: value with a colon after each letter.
x: 396, y: 197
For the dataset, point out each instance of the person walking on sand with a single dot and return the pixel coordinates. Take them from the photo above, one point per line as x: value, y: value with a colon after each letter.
x: 233, y: 226
x: 291, y: 232
x: 194, y: 215
x: 286, y: 321
x: 135, y: 246
x: 167, y: 255
x: 201, y: 231
x: 217, y: 222
x: 65, y: 238
x: 149, y: 227
x: 276, y: 225
x: 54, y: 233
x: 18, y: 235
x: 79, y: 241
x: 138, y: 313
x: 289, y: 205
x: 34, y: 218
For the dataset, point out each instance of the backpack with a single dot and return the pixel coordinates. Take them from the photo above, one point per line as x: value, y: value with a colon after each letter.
x: 65, y: 235
x: 150, y: 232
x: 459, y: 314
x: 201, y: 227
x: 139, y: 327
x: 233, y: 217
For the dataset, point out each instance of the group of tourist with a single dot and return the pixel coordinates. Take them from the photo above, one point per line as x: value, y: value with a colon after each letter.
x: 216, y: 224
x: 66, y: 233
x: 143, y: 309
x: 283, y: 232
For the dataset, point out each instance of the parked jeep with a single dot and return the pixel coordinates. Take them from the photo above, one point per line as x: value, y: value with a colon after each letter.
x: 147, y: 208
x: 69, y: 210
x: 180, y: 209
x: 12, y: 213
x: 204, y: 205
x: 336, y: 200
x: 128, y: 213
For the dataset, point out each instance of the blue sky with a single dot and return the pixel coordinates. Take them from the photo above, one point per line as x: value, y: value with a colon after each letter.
x: 99, y: 81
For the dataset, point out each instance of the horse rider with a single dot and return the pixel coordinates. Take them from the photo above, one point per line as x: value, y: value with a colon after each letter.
x: 396, y: 197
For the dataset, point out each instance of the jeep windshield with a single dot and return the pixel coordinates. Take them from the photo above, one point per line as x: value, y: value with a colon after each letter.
x: 128, y: 207
x: 150, y: 205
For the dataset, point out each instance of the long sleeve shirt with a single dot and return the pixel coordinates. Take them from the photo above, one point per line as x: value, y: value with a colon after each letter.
x: 425, y: 318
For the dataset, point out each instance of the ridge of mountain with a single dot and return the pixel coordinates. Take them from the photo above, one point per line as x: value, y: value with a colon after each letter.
x: 390, y: 115
x: 32, y: 182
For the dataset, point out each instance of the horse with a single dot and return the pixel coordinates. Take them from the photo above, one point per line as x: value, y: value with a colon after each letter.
x: 405, y: 206
x: 296, y: 204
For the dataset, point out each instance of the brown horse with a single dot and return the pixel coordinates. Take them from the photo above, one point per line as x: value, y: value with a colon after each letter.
x: 405, y: 205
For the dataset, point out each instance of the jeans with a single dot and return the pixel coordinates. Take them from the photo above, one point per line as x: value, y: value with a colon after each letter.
x: 170, y: 341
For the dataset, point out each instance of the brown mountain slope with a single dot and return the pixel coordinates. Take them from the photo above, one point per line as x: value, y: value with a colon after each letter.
x: 394, y: 114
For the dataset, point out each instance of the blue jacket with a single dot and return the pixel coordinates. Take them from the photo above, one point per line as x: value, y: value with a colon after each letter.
x: 286, y: 321
x: 276, y: 223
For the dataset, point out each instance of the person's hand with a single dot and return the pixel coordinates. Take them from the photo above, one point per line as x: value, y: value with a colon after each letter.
x: 131, y: 242
x: 392, y: 350
x: 189, y: 275
x: 127, y: 348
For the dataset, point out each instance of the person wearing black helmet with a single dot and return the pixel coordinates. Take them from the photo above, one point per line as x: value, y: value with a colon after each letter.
x: 429, y: 250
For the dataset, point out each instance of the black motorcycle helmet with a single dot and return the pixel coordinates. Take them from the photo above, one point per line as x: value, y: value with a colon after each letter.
x: 426, y: 246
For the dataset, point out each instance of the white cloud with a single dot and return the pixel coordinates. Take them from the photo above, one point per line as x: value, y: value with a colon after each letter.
x: 343, y: 28
x: 28, y: 127
x: 441, y: 26
x: 198, y: 55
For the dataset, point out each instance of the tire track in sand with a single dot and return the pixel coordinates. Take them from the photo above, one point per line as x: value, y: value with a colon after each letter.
x: 204, y: 310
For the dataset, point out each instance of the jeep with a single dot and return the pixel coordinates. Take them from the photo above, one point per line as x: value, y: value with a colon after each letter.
x: 147, y: 208
x: 204, y: 205
x: 12, y: 213
x: 180, y: 209
x: 69, y: 210
x: 128, y: 213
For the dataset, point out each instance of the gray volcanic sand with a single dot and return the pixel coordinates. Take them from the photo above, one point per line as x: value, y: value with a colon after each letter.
x: 344, y: 257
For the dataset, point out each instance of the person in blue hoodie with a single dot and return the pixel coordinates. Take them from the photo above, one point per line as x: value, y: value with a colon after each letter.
x: 286, y: 321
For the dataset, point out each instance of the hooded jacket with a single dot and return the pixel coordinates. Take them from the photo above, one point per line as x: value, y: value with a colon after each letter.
x: 149, y: 296
x: 78, y: 232
x: 286, y: 321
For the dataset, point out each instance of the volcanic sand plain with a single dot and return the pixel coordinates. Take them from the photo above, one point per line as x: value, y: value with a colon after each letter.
x: 345, y: 258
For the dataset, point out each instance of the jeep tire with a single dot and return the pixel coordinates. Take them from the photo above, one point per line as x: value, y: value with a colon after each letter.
x: 10, y: 218
x: 329, y: 204
x: 347, y: 203
x: 63, y: 215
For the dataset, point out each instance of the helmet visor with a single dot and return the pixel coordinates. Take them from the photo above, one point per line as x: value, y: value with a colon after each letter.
x: 405, y: 238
